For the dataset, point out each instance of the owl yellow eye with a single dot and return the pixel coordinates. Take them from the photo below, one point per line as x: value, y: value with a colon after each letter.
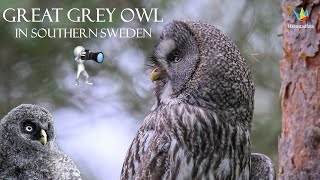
x: 29, y: 128
x: 176, y: 59
x: 174, y: 56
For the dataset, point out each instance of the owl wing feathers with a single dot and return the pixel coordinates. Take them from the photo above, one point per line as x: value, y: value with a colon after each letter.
x: 175, y: 142
x: 144, y: 152
x: 155, y: 161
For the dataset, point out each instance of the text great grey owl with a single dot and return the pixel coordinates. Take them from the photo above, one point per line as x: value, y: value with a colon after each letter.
x: 28, y: 149
x: 199, y: 127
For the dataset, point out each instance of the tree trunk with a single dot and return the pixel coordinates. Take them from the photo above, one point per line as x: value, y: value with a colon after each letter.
x: 299, y: 143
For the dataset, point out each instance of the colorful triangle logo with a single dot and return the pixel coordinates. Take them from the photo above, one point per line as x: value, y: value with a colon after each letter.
x: 302, y: 16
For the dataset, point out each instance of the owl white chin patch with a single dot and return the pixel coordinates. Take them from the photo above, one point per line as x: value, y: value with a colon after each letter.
x: 165, y: 96
x: 167, y: 92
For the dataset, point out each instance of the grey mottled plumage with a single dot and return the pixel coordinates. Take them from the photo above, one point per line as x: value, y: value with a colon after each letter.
x: 28, y: 149
x: 261, y: 167
x: 199, y: 127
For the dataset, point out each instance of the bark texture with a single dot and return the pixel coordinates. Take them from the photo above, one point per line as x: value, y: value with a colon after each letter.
x: 299, y: 143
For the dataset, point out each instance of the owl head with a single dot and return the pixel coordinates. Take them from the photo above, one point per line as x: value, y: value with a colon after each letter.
x: 27, y: 128
x: 196, y: 63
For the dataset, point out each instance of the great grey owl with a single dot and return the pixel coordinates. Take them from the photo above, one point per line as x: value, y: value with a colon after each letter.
x: 199, y: 127
x: 28, y: 149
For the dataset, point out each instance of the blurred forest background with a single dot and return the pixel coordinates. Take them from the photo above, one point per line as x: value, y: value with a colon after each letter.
x: 95, y: 124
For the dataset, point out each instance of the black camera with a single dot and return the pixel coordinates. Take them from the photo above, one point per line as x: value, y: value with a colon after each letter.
x: 95, y: 56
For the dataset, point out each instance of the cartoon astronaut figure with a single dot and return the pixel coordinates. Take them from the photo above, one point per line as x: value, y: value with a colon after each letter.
x: 78, y: 52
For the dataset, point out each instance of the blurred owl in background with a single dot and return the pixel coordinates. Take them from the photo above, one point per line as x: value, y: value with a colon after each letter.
x: 28, y: 149
x: 199, y: 127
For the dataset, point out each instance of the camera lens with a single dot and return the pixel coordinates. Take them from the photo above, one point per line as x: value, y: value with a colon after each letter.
x: 97, y: 57
x: 100, y: 57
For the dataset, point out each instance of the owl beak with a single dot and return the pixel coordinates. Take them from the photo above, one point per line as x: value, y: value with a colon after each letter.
x: 155, y: 74
x: 43, y: 138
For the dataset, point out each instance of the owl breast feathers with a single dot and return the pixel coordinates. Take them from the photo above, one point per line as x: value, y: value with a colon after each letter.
x: 28, y: 149
x: 199, y: 127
